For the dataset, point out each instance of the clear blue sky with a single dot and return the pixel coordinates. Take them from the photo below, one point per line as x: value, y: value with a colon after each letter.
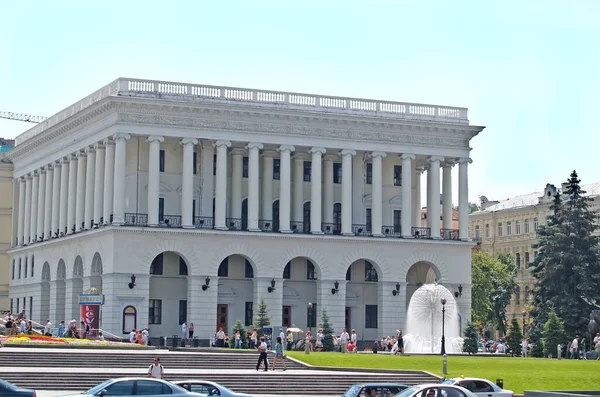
x: 528, y: 70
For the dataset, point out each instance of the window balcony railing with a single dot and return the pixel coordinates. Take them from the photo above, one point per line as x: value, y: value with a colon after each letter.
x: 136, y: 219
x: 170, y: 221
x: 361, y: 230
x: 203, y: 222
x: 449, y: 234
x: 234, y: 223
x: 265, y: 225
x: 421, y: 232
x: 391, y: 231
x: 331, y: 228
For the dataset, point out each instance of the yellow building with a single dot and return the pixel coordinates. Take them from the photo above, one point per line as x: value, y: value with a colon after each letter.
x: 510, y: 226
x: 6, y: 199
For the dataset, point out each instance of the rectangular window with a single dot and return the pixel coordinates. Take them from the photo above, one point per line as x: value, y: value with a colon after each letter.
x: 397, y: 175
x: 193, y: 211
x: 370, y: 272
x: 161, y: 160
x: 182, y: 312
x: 307, y: 170
x: 156, y: 267
x: 276, y: 169
x: 18, y: 303
x: 368, y: 220
x: 369, y: 173
x: 154, y: 311
x: 11, y: 305
x: 526, y: 258
x: 526, y: 226
x: 195, y: 161
x: 518, y: 260
x: 500, y: 230
x: 337, y: 172
x: 310, y: 271
x: 397, y: 217
x: 214, y: 164
x: 245, y: 167
x: 509, y: 229
x: 286, y: 316
x: 487, y: 230
x: 161, y: 209
x: 183, y: 270
x: 370, y: 316
x: 477, y: 232
x: 311, y: 316
x: 30, y: 305
x: 224, y: 268
x: 249, y: 313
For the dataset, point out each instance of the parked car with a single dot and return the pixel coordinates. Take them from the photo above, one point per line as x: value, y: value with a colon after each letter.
x: 435, y: 390
x: 480, y: 387
x: 148, y: 387
x: 378, y: 389
x: 10, y: 390
x: 206, y: 388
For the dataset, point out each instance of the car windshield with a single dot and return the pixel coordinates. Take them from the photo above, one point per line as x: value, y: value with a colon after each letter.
x: 7, y: 385
x: 407, y: 392
x: 352, y: 391
x: 448, y: 382
x: 98, y: 388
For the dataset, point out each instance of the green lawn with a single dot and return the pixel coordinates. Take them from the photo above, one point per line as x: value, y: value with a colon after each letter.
x: 518, y: 373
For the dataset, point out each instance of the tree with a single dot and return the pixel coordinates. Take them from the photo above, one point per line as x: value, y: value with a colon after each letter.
x: 473, y: 208
x: 514, y: 338
x: 493, y: 283
x: 328, y: 345
x: 239, y: 326
x: 553, y: 334
x: 535, y: 340
x: 262, y: 319
x: 567, y: 267
x: 470, y: 343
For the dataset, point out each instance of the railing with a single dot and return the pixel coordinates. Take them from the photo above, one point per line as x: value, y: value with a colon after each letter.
x: 265, y: 225
x: 391, y: 231
x: 234, y: 223
x: 297, y: 227
x: 203, y: 222
x: 127, y: 87
x: 106, y: 334
x: 361, y: 230
x: 449, y: 234
x: 421, y: 232
x: 136, y: 219
x: 331, y: 228
x: 170, y: 221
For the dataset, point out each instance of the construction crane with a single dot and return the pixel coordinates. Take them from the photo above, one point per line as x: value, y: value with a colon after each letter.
x: 22, y: 117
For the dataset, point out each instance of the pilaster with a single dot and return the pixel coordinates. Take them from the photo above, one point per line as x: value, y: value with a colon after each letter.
x: 99, y: 184
x: 391, y: 309
x: 347, y: 191
x: 35, y: 184
x: 202, y: 306
x: 334, y: 304
x: 48, y: 202
x: 120, y: 168
x: 41, y: 205
x: 463, y: 198
x: 72, y: 300
x: 273, y: 300
x: 56, y: 183
x: 38, y: 311
x: 153, y: 178
x: 57, y: 302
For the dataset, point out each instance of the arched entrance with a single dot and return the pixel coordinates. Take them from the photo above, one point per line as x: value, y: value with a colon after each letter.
x: 300, y: 288
x: 235, y: 297
x: 419, y: 274
x: 61, y: 276
x: 362, y: 310
x: 96, y: 273
x: 306, y: 220
x: 45, y: 294
x: 168, y: 295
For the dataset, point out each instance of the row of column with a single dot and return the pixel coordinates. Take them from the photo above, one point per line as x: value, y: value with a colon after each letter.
x: 75, y: 193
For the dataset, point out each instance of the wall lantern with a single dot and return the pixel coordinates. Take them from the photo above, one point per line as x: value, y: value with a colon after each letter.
x: 132, y: 283
x: 272, y: 287
x: 206, y: 283
x: 459, y: 293
x: 335, y: 288
x: 397, y: 290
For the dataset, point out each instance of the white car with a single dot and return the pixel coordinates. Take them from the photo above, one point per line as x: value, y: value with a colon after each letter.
x: 435, y: 390
x: 480, y: 387
x: 207, y: 388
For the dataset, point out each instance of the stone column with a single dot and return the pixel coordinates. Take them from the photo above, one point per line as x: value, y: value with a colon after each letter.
x: 21, y: 225
x: 298, y: 215
x: 463, y: 198
x: 347, y: 191
x: 428, y: 198
x: 335, y: 304
x: 90, y: 175
x: 267, y: 187
x: 434, y: 212
x: 406, y: 215
x: 187, y: 183
x: 120, y: 169
x: 377, y: 196
x: 27, y: 225
x: 154, y: 178
x: 99, y: 184
x: 447, y: 195
x: 285, y: 186
x: 35, y: 184
x: 315, y: 190
x: 207, y: 189
x: 417, y: 201
x: 109, y: 181
x: 327, y: 210
x: 56, y: 183
x: 237, y: 163
x: 41, y: 205
x: 273, y: 300
x: 221, y: 185
x: 81, y: 185
x: 253, y: 185
x: 391, y: 312
x: 72, y: 194
x: 48, y: 202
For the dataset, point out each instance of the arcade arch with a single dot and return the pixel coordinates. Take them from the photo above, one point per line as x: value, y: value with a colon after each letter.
x: 300, y: 275
x: 45, y: 293
x: 61, y: 275
x: 418, y: 274
x: 235, y: 296
x: 362, y: 285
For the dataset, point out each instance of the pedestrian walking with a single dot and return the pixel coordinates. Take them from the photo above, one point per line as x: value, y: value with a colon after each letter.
x: 262, y: 349
x: 191, y: 330
x: 156, y: 370
x: 279, y: 354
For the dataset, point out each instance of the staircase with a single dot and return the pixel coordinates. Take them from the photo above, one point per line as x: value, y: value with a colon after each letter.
x: 79, y: 370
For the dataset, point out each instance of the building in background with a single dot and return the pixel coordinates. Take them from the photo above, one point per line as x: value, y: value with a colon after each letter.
x: 6, y: 200
x: 6, y: 145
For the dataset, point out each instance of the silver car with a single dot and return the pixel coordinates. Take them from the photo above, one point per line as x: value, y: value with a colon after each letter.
x: 207, y: 388
x: 148, y: 387
x: 480, y: 387
x: 435, y: 390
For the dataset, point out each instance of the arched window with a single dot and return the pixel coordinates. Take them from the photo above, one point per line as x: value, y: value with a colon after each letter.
x: 518, y: 227
x: 536, y: 224
x: 509, y: 228
x: 527, y: 226
x: 275, y: 216
x: 500, y: 229
x: 477, y: 232
x: 129, y: 319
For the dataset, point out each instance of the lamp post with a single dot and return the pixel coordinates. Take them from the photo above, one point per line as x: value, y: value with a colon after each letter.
x: 310, y: 315
x: 443, y: 326
x: 524, y: 314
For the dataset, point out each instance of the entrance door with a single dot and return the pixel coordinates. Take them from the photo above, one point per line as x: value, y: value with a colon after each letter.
x: 222, y: 314
x: 286, y: 316
x: 348, y: 318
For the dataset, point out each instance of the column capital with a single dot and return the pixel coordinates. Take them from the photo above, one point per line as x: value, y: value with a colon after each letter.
x: 57, y: 164
x: 155, y: 138
x: 28, y: 177
x: 407, y: 156
x: 34, y: 174
x: 449, y: 163
x: 66, y: 160
x: 81, y: 153
x: 378, y: 155
x: 284, y: 148
x: 89, y: 149
x: 72, y: 157
x: 330, y: 158
x: 319, y: 150
x: 269, y: 154
x: 121, y: 136
x: 42, y: 170
x: 49, y: 167
x: 254, y: 145
x: 348, y: 152
x: 433, y: 159
x: 300, y: 156
x: 108, y: 142
x: 188, y: 141
x: 238, y: 151
x: 98, y: 145
x: 464, y: 160
x: 222, y: 143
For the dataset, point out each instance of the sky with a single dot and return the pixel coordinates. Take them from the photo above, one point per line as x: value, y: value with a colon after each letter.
x: 527, y: 70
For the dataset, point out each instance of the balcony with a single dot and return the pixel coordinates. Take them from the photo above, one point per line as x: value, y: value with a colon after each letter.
x: 449, y: 234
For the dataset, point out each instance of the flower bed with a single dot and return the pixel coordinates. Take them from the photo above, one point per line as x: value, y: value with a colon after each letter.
x: 48, y: 340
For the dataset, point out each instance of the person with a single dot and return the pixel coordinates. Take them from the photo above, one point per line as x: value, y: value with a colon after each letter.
x: 48, y: 328
x: 319, y: 342
x: 351, y: 347
x: 279, y: 353
x: 524, y: 346
x: 238, y: 339
x: 353, y: 337
x: 100, y: 336
x: 191, y: 330
x: 156, y: 370
x: 253, y: 339
x: 344, y: 339
x: 184, y: 331
x: 262, y: 349
x: 132, y: 334
x: 307, y: 345
x: 290, y: 340
x: 575, y: 348
x: 598, y: 349
x: 61, y: 329
x: 29, y: 328
x: 281, y: 335
x: 400, y: 342
x: 220, y: 338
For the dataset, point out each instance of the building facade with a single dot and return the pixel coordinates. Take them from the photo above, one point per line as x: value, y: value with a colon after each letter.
x: 6, y: 199
x: 185, y: 202
x: 510, y: 226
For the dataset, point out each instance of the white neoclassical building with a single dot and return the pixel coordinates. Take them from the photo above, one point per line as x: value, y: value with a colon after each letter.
x: 216, y: 198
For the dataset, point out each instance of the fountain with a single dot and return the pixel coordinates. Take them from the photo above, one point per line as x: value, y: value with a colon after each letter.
x: 424, y: 321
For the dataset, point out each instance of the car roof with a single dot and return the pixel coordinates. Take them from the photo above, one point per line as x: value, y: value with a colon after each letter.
x: 177, y: 382
x: 379, y: 384
x: 459, y: 379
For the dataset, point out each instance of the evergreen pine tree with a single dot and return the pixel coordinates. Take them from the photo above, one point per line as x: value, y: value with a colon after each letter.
x: 328, y: 345
x: 514, y: 338
x: 553, y: 334
x: 567, y: 267
x: 262, y: 319
x: 535, y: 340
x: 239, y: 326
x: 470, y: 343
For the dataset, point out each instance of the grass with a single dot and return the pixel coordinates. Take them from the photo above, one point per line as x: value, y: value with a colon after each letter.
x: 519, y: 374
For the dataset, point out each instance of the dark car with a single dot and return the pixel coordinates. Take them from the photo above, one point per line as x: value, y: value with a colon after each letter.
x: 376, y: 389
x: 10, y: 390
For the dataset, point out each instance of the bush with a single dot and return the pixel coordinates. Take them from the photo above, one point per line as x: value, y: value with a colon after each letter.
x: 328, y: 345
x: 553, y: 334
x: 470, y: 344
x: 514, y: 339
